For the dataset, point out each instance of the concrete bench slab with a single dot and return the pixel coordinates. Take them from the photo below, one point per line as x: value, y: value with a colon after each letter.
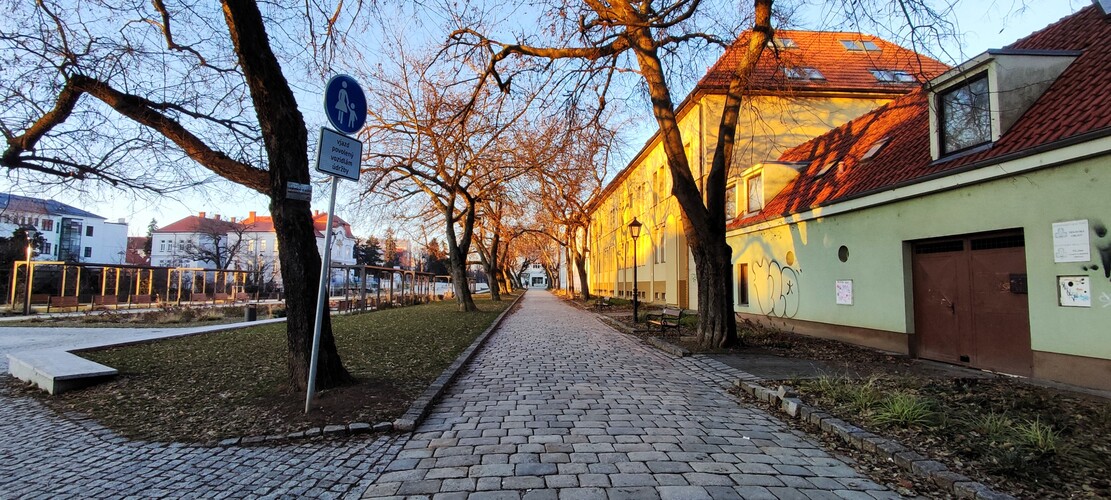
x: 57, y: 371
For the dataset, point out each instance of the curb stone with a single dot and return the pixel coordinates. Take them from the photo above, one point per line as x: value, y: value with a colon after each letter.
x: 887, y: 449
x: 423, y: 404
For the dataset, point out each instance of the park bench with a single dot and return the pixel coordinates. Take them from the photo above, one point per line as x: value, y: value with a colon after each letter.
x: 139, y: 300
x: 667, y: 319
x: 105, y: 300
x: 40, y: 298
x: 242, y: 297
x: 218, y: 298
x: 602, y: 303
x: 63, y: 302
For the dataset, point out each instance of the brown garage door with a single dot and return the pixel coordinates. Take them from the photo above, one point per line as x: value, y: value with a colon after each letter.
x: 970, y: 301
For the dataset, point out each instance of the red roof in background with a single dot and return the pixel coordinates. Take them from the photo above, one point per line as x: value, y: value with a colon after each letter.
x: 136, y: 251
x: 320, y: 221
x: 1078, y: 102
x: 843, y: 69
x: 265, y: 224
x: 197, y: 224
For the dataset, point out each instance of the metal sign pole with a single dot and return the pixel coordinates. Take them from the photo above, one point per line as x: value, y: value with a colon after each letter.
x: 321, y: 296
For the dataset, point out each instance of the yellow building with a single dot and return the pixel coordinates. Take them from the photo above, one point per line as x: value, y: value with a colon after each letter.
x: 807, y: 83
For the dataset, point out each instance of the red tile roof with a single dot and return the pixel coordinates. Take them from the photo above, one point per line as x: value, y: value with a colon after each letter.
x: 1077, y: 103
x: 822, y: 50
x: 196, y: 224
x: 265, y: 224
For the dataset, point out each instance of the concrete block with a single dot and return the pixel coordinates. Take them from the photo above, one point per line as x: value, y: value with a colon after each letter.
x: 57, y: 371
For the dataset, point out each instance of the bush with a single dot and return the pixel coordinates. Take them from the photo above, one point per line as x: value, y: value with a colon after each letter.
x: 904, y: 409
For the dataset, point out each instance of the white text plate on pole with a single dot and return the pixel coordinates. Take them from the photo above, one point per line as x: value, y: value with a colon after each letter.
x: 339, y: 155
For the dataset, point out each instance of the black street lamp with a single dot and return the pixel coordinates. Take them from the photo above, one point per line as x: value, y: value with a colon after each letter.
x: 634, y: 231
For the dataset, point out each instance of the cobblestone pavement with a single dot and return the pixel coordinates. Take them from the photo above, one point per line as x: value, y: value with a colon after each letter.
x: 45, y: 455
x: 557, y: 405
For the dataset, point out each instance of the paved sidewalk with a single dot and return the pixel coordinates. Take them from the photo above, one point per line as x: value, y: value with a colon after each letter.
x: 44, y: 455
x: 558, y: 405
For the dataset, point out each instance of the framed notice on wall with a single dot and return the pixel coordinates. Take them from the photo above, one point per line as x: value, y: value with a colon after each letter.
x: 844, y: 289
x: 1070, y: 241
x: 1074, y: 291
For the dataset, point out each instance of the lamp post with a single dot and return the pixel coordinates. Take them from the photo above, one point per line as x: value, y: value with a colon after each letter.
x: 634, y: 231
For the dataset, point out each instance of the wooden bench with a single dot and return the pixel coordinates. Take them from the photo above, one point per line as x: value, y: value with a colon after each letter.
x: 667, y: 319
x: 139, y: 300
x: 242, y: 297
x: 105, y: 300
x: 63, y: 302
x: 40, y: 298
x: 602, y: 303
x: 218, y: 298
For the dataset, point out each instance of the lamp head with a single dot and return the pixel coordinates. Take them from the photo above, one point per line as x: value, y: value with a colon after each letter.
x: 634, y: 228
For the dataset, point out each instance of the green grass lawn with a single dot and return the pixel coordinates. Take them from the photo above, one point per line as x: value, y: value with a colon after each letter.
x: 213, y: 386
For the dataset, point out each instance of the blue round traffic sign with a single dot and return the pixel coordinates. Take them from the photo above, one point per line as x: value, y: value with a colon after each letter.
x: 345, y: 104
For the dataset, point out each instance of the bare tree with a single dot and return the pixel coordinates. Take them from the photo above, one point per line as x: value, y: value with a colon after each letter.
x: 93, y: 95
x: 446, y: 147
x: 218, y: 242
x: 601, y: 34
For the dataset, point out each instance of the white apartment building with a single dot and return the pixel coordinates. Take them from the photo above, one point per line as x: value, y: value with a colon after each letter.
x: 71, y: 234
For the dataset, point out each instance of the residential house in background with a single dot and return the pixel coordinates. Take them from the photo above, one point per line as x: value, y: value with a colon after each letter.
x: 137, y: 254
x: 966, y: 222
x: 259, y: 250
x: 806, y: 83
x: 70, y: 234
x: 195, y: 241
x: 249, y: 244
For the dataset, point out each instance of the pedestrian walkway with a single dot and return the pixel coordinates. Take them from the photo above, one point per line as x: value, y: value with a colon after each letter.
x: 558, y: 405
x: 46, y: 455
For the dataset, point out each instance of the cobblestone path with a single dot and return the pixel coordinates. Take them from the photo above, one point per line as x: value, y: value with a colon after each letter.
x: 44, y: 455
x: 557, y: 405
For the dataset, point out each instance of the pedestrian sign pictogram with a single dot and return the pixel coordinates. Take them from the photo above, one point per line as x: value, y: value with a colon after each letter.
x: 345, y: 104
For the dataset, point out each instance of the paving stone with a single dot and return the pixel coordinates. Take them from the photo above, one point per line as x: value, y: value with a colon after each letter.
x: 534, y: 469
x: 522, y: 482
x: 683, y: 493
x: 582, y: 494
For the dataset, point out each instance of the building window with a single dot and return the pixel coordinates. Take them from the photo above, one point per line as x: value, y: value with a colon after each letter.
x: 860, y: 45
x: 162, y: 246
x: 47, y: 224
x: 965, y: 117
x: 88, y: 230
x: 88, y: 252
x: 663, y: 236
x: 742, y: 284
x: 893, y: 76
x: 755, y: 190
x: 782, y: 43
x: 730, y: 202
x: 803, y: 73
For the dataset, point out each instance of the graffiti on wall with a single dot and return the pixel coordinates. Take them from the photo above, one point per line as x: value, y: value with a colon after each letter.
x: 776, y: 287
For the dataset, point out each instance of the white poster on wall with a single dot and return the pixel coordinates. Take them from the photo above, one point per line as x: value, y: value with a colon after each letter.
x: 1074, y: 291
x: 844, y: 292
x: 1070, y: 241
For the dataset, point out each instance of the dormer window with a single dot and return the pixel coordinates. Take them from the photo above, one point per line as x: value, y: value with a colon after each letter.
x: 754, y: 197
x: 782, y: 43
x: 730, y: 202
x: 803, y: 73
x: 964, y: 115
x: 893, y: 76
x: 860, y: 45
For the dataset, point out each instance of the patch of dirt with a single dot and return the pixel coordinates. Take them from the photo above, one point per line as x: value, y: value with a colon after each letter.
x: 1024, y: 439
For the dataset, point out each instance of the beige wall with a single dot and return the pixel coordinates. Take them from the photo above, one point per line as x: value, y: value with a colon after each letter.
x: 767, y: 126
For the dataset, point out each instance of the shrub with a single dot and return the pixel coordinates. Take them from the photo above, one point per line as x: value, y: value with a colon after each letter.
x: 904, y: 409
x: 1038, y: 436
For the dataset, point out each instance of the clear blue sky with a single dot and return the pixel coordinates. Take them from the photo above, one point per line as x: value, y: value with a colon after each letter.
x: 985, y: 25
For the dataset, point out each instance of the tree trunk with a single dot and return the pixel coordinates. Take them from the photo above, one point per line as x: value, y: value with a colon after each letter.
x: 704, y: 213
x: 457, y: 250
x: 286, y: 141
x: 580, y: 267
